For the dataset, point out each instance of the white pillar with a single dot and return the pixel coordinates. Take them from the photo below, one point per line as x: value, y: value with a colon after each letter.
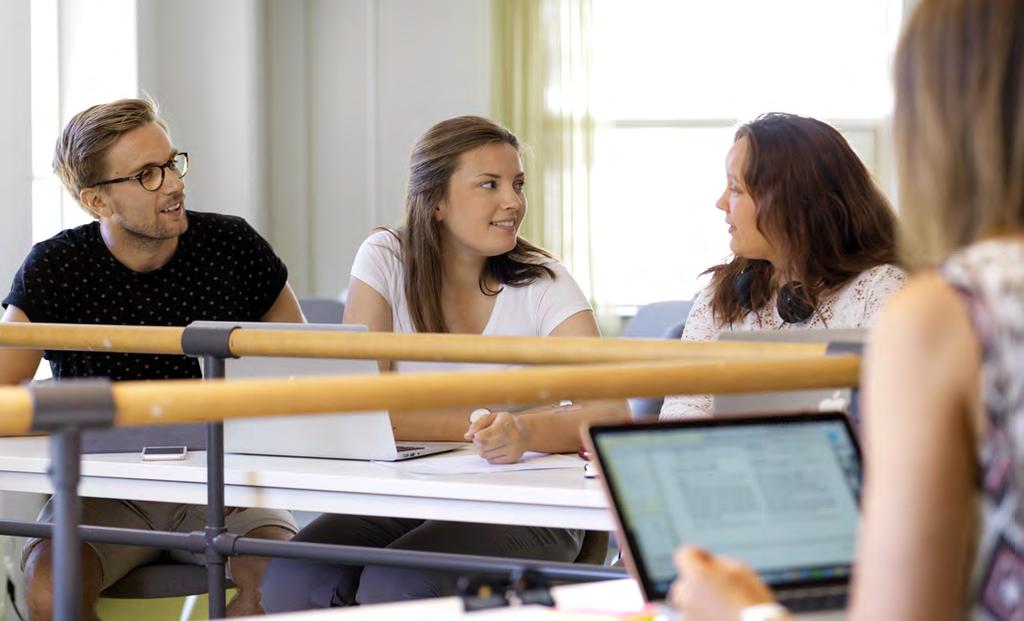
x: 16, y: 137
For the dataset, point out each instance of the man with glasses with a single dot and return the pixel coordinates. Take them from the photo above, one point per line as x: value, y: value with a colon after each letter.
x: 144, y: 261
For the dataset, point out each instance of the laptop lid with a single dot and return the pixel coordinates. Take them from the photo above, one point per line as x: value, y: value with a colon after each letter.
x: 838, y: 398
x: 780, y: 493
x: 362, y: 435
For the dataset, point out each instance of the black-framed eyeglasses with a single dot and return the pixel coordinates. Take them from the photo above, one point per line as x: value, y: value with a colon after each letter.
x: 152, y: 177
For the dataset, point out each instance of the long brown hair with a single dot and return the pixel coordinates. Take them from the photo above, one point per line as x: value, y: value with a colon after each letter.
x: 958, y: 125
x: 816, y: 204
x: 434, y: 158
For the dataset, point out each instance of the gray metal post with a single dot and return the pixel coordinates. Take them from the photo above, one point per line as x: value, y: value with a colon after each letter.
x: 64, y: 408
x: 212, y: 341
x: 233, y: 545
x: 416, y: 559
x: 67, y: 552
x: 215, y: 561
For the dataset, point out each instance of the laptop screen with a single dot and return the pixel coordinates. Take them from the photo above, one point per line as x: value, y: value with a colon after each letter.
x: 779, y: 493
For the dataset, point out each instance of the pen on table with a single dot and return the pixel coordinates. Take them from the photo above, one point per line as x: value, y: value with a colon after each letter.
x: 477, y: 414
x: 474, y: 416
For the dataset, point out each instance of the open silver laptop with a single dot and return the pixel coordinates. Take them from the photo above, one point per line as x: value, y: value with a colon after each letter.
x: 838, y: 398
x: 363, y: 435
x: 778, y: 492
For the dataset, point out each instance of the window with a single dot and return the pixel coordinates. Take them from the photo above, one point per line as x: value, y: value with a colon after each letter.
x: 82, y: 54
x: 47, y: 192
x: 94, y: 61
x: 670, y: 81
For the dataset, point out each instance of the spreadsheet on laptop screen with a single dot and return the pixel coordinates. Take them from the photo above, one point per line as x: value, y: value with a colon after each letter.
x: 780, y: 497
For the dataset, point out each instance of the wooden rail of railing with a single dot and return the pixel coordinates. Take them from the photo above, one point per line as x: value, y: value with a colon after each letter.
x: 175, y: 401
x: 391, y: 346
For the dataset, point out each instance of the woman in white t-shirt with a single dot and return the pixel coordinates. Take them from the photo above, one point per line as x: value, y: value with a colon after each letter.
x: 813, y: 240
x: 457, y: 265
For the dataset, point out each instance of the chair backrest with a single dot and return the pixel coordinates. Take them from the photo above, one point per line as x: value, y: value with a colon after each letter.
x: 653, y: 320
x: 162, y: 579
x: 657, y: 320
x: 322, y: 310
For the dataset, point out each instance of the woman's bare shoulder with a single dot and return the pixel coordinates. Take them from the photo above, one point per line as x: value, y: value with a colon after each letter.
x: 926, y: 323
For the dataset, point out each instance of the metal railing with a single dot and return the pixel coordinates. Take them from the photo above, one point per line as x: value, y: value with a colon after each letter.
x: 611, y: 368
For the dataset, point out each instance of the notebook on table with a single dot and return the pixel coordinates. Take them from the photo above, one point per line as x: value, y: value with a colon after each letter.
x: 780, y: 493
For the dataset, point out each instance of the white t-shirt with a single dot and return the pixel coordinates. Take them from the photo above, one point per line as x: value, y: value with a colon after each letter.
x: 530, y: 310
x: 854, y: 306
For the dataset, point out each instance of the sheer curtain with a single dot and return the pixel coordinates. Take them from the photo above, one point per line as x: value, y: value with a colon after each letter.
x: 541, y: 92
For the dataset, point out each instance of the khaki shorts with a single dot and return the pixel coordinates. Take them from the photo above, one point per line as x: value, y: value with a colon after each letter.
x: 117, y: 560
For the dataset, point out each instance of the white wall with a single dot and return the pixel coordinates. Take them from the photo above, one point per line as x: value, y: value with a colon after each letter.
x: 288, y: 133
x: 353, y: 83
x: 341, y: 84
x: 299, y: 115
x: 204, y: 63
x: 96, y: 68
x: 16, y: 138
x: 434, y: 62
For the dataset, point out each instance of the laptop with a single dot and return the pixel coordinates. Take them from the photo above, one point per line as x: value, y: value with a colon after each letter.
x: 362, y: 435
x: 780, y: 493
x: 838, y: 398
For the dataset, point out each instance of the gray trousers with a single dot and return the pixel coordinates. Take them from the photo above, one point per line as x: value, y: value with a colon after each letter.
x: 292, y: 585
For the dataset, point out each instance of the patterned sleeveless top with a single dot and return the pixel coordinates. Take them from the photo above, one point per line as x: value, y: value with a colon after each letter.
x: 990, y: 276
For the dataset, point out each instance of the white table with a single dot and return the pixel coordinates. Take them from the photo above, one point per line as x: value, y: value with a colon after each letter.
x: 554, y: 498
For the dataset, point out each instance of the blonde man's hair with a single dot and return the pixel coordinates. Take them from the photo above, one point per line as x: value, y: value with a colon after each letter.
x: 79, y: 156
x: 959, y: 125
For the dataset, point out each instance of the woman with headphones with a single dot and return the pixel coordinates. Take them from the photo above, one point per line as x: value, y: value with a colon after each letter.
x: 813, y: 240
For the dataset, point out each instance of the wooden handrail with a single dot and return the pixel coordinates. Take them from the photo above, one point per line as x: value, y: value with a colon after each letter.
x: 391, y: 346
x: 176, y: 401
x: 497, y: 349
x: 75, y: 337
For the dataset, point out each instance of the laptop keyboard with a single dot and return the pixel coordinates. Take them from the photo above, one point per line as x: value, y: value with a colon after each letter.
x: 815, y: 598
x: 401, y: 448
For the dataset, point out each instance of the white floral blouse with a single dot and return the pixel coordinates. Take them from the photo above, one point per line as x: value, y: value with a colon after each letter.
x: 853, y: 306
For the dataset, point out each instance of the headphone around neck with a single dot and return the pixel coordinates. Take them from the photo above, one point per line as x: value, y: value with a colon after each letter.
x: 790, y: 305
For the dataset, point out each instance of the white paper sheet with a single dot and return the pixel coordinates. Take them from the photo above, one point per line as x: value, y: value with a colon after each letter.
x: 468, y: 462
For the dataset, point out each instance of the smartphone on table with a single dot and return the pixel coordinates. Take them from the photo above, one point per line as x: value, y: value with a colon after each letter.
x: 163, y: 453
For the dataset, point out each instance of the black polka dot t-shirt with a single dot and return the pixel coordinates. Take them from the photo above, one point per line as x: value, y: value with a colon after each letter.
x: 222, y: 270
